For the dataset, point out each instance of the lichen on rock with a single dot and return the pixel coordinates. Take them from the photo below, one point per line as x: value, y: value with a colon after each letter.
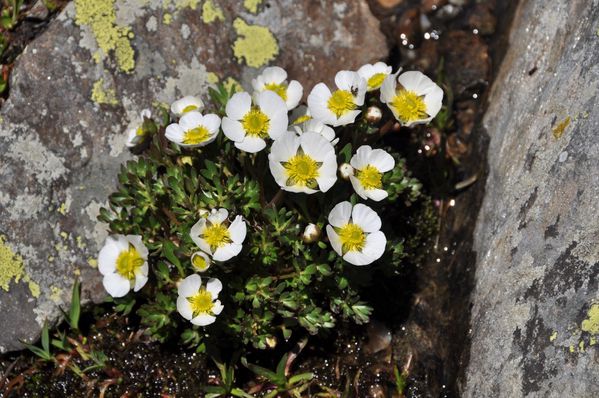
x: 211, y: 12
x: 11, y: 265
x: 255, y: 44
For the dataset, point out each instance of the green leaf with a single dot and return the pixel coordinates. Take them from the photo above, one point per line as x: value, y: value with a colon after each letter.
x: 281, y: 366
x: 75, y: 311
x: 46, y: 338
x: 300, y: 378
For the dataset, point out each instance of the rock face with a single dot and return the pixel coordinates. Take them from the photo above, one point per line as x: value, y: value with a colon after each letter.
x: 535, y: 316
x: 76, y: 89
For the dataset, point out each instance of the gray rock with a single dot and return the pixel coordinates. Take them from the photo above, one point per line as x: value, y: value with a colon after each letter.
x: 535, y: 315
x: 76, y: 89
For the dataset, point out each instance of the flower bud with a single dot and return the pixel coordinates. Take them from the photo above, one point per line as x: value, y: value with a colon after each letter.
x: 346, y: 170
x: 374, y: 114
x: 311, y: 233
x: 200, y: 261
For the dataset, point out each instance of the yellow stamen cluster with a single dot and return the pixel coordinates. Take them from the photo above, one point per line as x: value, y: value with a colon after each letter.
x: 280, y: 89
x: 341, y: 102
x: 217, y: 235
x: 199, y: 263
x: 256, y: 123
x: 201, y: 302
x: 409, y: 106
x: 352, y: 238
x: 376, y: 80
x: 370, y: 177
x: 196, y: 136
x: 302, y: 170
x: 128, y: 262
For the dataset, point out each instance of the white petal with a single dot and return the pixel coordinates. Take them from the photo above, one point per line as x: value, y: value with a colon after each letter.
x: 233, y: 129
x: 203, y: 320
x: 316, y: 146
x: 191, y: 120
x: 366, y: 218
x: 238, y: 106
x: 238, y: 230
x: 214, y: 286
x: 358, y: 187
x: 190, y: 285
x: 271, y: 104
x: 334, y: 239
x: 317, y: 104
x: 179, y: 106
x: 184, y: 307
x: 174, y: 133
x: 197, y: 230
x: 108, y: 255
x: 433, y: 101
x: 415, y: 81
x: 251, y: 144
x: 284, y: 147
x: 116, y: 285
x: 218, y: 307
x: 227, y: 252
x: 340, y: 214
x: 140, y: 281
x: 375, y: 245
x: 295, y: 91
x: 278, y: 172
x: 212, y: 122
x: 388, y: 88
x: 218, y: 216
x: 377, y: 194
x: 357, y: 258
x: 345, y: 79
x: 274, y: 74
x: 347, y: 118
x: 278, y: 125
x: 146, y: 114
x: 137, y: 242
x: 361, y: 158
x: 382, y: 160
x: 326, y: 183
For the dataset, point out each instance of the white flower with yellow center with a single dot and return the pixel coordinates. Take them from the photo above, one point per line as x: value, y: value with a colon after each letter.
x: 199, y: 304
x: 137, y: 134
x: 316, y: 126
x: 305, y: 163
x: 375, y: 74
x: 274, y: 79
x: 214, y: 237
x: 124, y: 263
x: 340, y: 107
x: 368, y: 168
x: 249, y: 125
x: 412, y: 97
x: 194, y: 129
x: 354, y: 233
x: 186, y: 104
x: 200, y: 261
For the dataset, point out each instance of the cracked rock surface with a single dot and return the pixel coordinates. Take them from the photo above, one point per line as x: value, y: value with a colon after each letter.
x: 78, y: 87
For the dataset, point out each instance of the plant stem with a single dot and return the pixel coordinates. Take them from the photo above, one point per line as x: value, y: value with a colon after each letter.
x: 276, y: 200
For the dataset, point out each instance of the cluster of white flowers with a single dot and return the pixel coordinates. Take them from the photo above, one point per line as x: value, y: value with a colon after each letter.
x: 302, y: 158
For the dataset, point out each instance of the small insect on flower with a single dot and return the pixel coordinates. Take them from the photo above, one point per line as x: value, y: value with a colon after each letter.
x: 340, y: 107
x: 274, y: 79
x: 186, y: 104
x: 214, y: 237
x: 200, y: 261
x: 194, y: 129
x: 124, y: 263
x: 412, y: 97
x: 354, y: 233
x: 375, y: 74
x: 316, y: 126
x: 137, y: 135
x: 369, y: 165
x: 305, y: 163
x: 199, y: 304
x: 249, y: 125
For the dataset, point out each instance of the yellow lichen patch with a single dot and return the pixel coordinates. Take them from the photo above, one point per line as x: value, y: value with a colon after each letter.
x: 103, y: 96
x: 181, y: 4
x: 211, y: 12
x: 11, y: 265
x: 92, y: 262
x: 581, y: 346
x: 558, y: 130
x: 591, y: 324
x: 553, y: 336
x: 34, y: 288
x: 231, y: 83
x: 256, y: 45
x: 212, y: 78
x: 55, y: 294
x: 167, y: 19
x: 100, y: 16
x: 62, y: 209
x: 252, y: 5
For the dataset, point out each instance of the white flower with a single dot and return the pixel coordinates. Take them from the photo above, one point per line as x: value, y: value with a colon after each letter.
x: 341, y: 106
x: 136, y: 135
x: 369, y: 165
x: 212, y: 235
x: 124, y: 263
x: 316, y: 126
x: 274, y: 79
x: 311, y: 233
x: 355, y: 233
x: 346, y: 171
x: 186, y: 104
x: 200, y: 261
x: 194, y: 129
x: 375, y: 74
x: 412, y: 97
x: 199, y: 304
x: 250, y: 125
x: 305, y: 163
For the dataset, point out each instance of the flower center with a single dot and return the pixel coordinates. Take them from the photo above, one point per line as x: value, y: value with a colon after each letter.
x: 370, y: 177
x: 217, y: 235
x: 352, y: 238
x: 255, y: 123
x: 189, y: 108
x: 139, y: 132
x: 196, y: 135
x: 376, y: 80
x: 409, y: 106
x: 199, y: 262
x: 201, y: 302
x: 341, y: 102
x: 302, y: 170
x: 280, y: 89
x: 128, y: 262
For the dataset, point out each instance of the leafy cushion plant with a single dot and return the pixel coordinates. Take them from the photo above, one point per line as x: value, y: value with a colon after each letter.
x: 252, y: 218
